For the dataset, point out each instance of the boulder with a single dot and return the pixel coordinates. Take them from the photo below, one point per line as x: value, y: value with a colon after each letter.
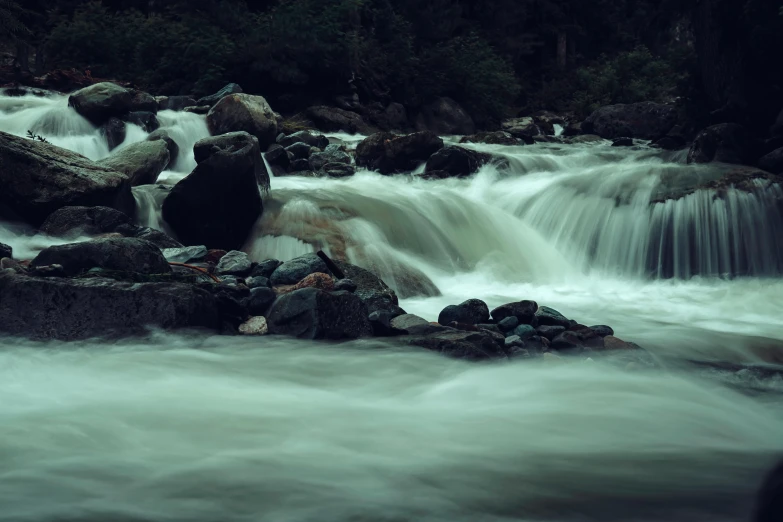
x: 260, y: 299
x: 472, y: 311
x: 99, y: 102
x: 146, y: 120
x: 175, y: 103
x: 524, y: 311
x: 299, y: 151
x: 492, y: 138
x: 524, y: 332
x: 507, y: 324
x: 6, y: 251
x: 725, y: 142
x: 244, y: 112
x: 456, y: 161
x: 184, y: 254
x: 773, y: 162
x: 277, y: 158
x: 114, y: 132
x: 388, y: 153
x: 68, y: 309
x: 314, y: 140
x: 346, y: 285
x: 311, y: 313
x: 143, y: 102
x: 38, y: 178
x: 602, y: 330
x: 522, y: 128
x: 293, y: 271
x: 121, y: 254
x: 567, y: 342
x: 622, y: 142
x: 265, y: 268
x: 142, y: 161
x: 407, y: 323
x: 546, y: 316
x: 332, y: 119
x: 371, y: 289
x: 258, y: 282
x: 546, y: 121
x: 218, y: 203
x: 164, y: 136
x: 231, y: 88
x: 331, y: 154
x: 473, y: 346
x: 234, y: 263
x: 240, y: 143
x: 444, y: 116
x: 549, y: 331
x: 644, y: 121
x: 200, y: 109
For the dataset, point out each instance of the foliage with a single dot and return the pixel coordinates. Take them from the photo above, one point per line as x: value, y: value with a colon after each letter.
x: 11, y: 24
x: 31, y: 135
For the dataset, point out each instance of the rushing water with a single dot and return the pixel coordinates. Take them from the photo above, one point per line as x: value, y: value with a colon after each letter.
x: 181, y: 427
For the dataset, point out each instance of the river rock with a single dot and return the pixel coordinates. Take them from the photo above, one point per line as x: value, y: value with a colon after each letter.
x: 142, y: 102
x: 299, y: 151
x: 265, y: 268
x: 332, y: 119
x: 114, y: 132
x: 546, y: 121
x: 254, y: 326
x: 371, y: 289
x: 218, y: 203
x: 338, y: 170
x: 524, y: 311
x: 68, y: 309
x: 171, y: 145
x: 39, y: 178
x: 456, y: 161
x: 567, y: 342
x: 175, y: 103
x: 346, y: 285
x: 407, y: 323
x: 547, y: 316
x: 244, y: 112
x: 277, y: 158
x: 643, y: 121
x: 240, y: 143
x: 725, y: 142
x: 234, y: 263
x: 314, y: 140
x: 142, y: 161
x: 444, y: 116
x: 507, y: 324
x: 773, y: 162
x: 121, y: 254
x: 293, y: 271
x: 393, y: 117
x: 258, y: 282
x: 231, y: 88
x: 184, y: 254
x: 550, y: 331
x: 612, y: 343
x: 331, y: 154
x: 146, y: 120
x: 622, y: 142
x: 311, y: 313
x: 524, y: 332
x: 602, y: 330
x: 388, y: 153
x: 99, y: 102
x: 260, y: 299
x: 458, y: 344
x: 522, y: 128
x: 6, y: 251
x: 492, y: 138
x: 472, y: 311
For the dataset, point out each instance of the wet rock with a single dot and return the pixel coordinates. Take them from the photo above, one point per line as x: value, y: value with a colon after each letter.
x: 184, y: 254
x: 567, y: 342
x: 278, y: 158
x: 472, y: 311
x: 644, y: 121
x: 725, y: 142
x: 231, y: 88
x: 585, y: 138
x: 458, y: 344
x: 373, y: 292
x: 261, y: 298
x: 265, y: 268
x: 254, y: 326
x: 299, y: 151
x: 407, y: 323
x: 198, y: 109
x: 346, y: 285
x: 338, y: 170
x: 622, y: 142
x: 141, y: 162
x: 171, y: 145
x: 39, y: 178
x: 508, y: 324
x: 547, y: 316
x: 68, y: 309
x: 332, y: 119
x: 495, y: 329
x: 331, y: 154
x: 114, y: 132
x: 522, y: 128
x: 314, y: 140
x: 388, y: 153
x: 6, y: 251
x: 380, y: 321
x: 234, y: 263
x: 76, y: 221
x: 258, y: 282
x: 244, y: 112
x: 219, y: 202
x: 492, y: 138
x: 602, y: 330
x: 550, y: 332
x: 670, y: 142
x: 317, y: 280
x: 444, y: 116
x: 99, y: 102
x: 143, y: 102
x: 48, y: 271
x: 546, y: 121
x: 311, y: 313
x: 121, y: 254
x: 773, y: 162
x: 524, y: 331
x: 457, y: 161
x: 573, y: 128
x: 146, y: 120
x: 293, y: 271
x: 175, y: 103
x: 299, y: 167
x: 612, y: 343
x: 524, y: 311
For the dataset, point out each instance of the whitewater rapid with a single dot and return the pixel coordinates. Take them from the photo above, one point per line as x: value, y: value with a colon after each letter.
x: 191, y: 427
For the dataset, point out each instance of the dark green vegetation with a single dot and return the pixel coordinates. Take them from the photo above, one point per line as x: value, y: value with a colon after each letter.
x: 495, y: 57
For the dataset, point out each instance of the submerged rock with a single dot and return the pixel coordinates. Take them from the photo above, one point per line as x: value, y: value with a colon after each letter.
x: 311, y: 313
x: 121, y: 254
x: 644, y: 121
x: 444, y: 116
x: 388, y: 153
x: 39, y: 178
x: 141, y: 162
x: 244, y: 112
x: 68, y: 309
x: 474, y: 346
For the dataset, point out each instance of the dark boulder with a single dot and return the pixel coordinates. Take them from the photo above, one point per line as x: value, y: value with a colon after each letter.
x: 99, y: 102
x: 371, y: 289
x: 293, y: 271
x: 175, y: 103
x: 546, y: 121
x: 524, y: 332
x: 231, y: 88
x: 143, y: 102
x: 234, y: 263
x: 278, y: 157
x: 507, y: 324
x: 444, y: 116
x: 388, y: 153
x: 524, y: 311
x: 549, y: 331
x: 472, y: 311
x: 458, y: 344
x: 725, y: 142
x: 6, y: 251
x: 244, y: 112
x: 492, y: 138
x: 331, y: 154
x: 184, y: 254
x: 299, y: 151
x: 310, y: 313
x: 265, y: 268
x: 146, y: 120
x: 622, y: 142
x: 114, y: 132
x: 78, y: 221
x: 240, y: 143
x: 546, y: 316
x: 142, y: 162
x: 122, y: 254
x: 567, y: 342
x: 314, y: 140
x: 522, y: 128
x: 410, y: 323
x: 602, y: 330
x: 299, y: 167
x: 773, y: 162
x: 39, y: 178
x: 332, y: 119
x: 218, y: 203
x: 456, y: 161
x: 68, y: 309
x: 643, y: 121
x: 380, y: 321
x: 259, y: 301
x: 670, y: 142
x: 164, y: 136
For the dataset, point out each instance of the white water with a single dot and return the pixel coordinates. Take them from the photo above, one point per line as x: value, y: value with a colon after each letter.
x: 178, y: 427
